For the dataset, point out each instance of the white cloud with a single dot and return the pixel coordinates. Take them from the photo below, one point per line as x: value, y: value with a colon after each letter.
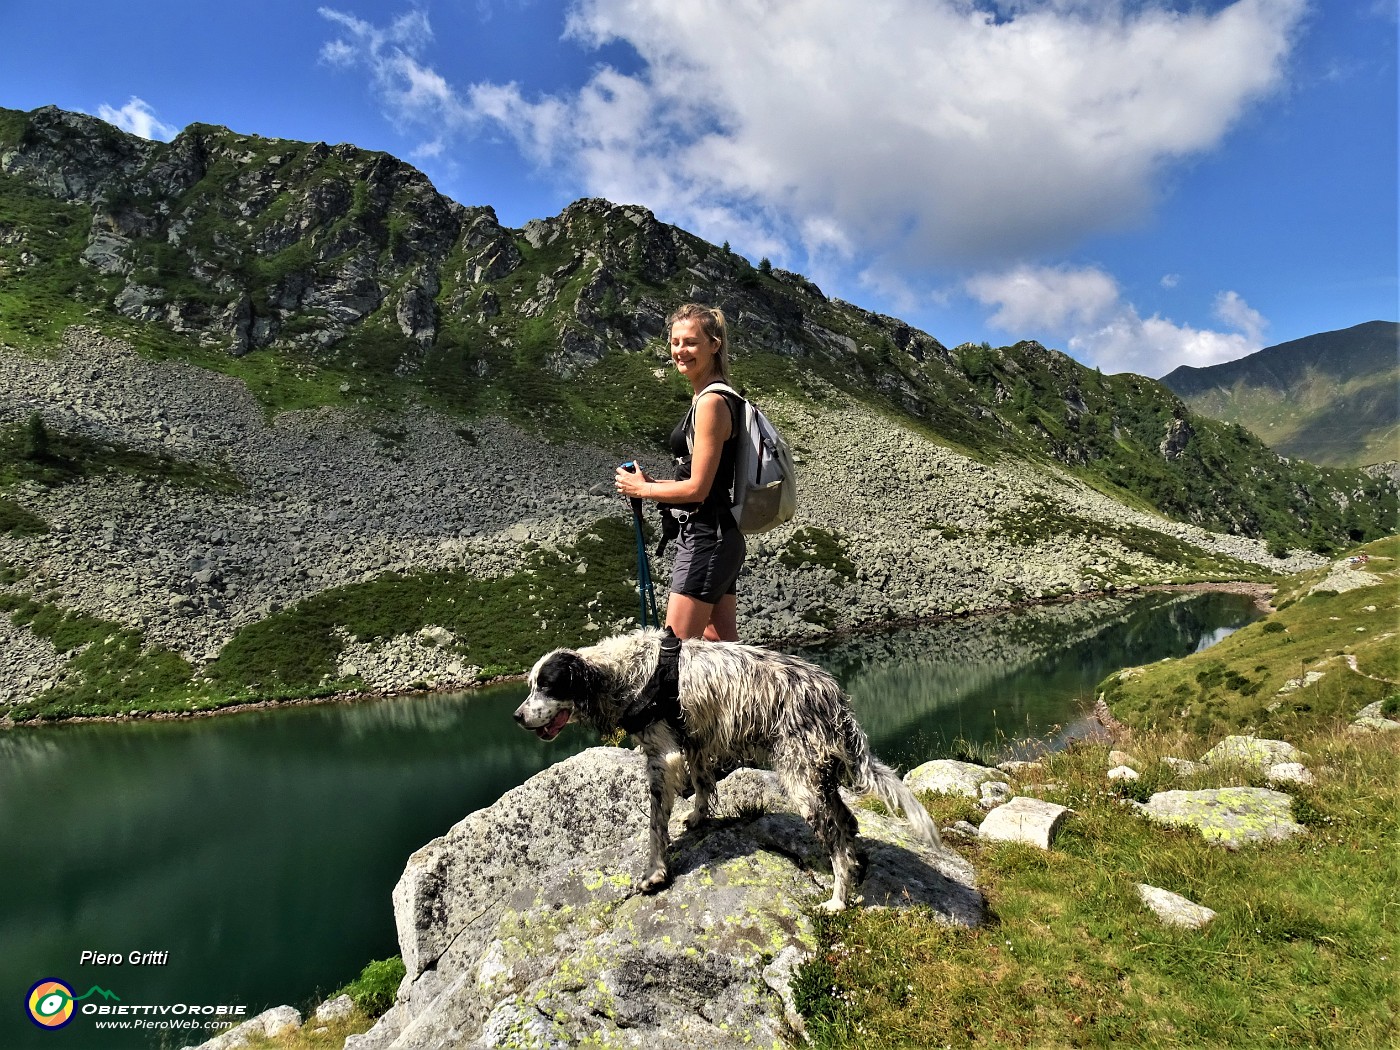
x: 1036, y: 298
x: 1170, y: 280
x: 412, y: 91
x: 1086, y: 308
x: 138, y: 118
x: 921, y: 129
x: 906, y: 133
x: 1238, y: 314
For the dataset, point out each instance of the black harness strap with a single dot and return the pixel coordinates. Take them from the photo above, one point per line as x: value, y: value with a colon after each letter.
x: 660, y: 699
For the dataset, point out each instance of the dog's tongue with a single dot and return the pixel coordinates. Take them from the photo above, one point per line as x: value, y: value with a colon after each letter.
x: 556, y: 724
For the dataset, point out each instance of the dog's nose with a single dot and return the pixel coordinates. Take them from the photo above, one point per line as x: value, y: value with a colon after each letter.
x: 519, y: 715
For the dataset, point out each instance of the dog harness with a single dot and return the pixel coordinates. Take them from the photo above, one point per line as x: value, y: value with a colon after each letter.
x: 660, y: 699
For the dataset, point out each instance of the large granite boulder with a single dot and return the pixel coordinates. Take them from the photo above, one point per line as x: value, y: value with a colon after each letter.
x: 1253, y: 751
x: 1230, y: 816
x: 520, y: 926
x: 947, y: 776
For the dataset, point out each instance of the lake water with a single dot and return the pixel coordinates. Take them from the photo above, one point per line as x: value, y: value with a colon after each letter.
x: 257, y: 851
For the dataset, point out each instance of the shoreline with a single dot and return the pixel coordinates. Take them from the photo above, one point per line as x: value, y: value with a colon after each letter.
x: 1260, y: 592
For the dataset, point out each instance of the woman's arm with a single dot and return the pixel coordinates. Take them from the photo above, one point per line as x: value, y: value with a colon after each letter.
x: 712, y: 430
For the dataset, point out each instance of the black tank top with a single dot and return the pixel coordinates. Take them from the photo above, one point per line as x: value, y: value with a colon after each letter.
x: 721, y: 495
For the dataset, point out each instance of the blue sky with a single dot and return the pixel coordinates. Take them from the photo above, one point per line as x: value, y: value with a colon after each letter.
x: 1142, y: 183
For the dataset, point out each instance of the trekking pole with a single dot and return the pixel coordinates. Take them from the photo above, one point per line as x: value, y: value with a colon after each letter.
x: 646, y: 593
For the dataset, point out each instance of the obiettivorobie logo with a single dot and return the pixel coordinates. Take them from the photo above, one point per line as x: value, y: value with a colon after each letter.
x: 53, y: 1005
x: 51, y: 1001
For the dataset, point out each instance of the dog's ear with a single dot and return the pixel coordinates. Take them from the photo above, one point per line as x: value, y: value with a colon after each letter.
x: 568, y: 676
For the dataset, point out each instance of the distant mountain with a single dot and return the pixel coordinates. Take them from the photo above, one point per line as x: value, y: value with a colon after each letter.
x: 1332, y: 398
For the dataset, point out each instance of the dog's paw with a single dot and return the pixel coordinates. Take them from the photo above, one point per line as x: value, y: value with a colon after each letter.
x: 694, y: 819
x: 657, y: 880
x: 832, y: 906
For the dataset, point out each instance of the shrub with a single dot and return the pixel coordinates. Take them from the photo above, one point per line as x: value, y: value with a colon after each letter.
x: 374, y: 990
x: 36, y: 438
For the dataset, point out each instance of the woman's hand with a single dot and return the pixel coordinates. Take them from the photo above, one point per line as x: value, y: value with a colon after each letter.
x: 632, y: 483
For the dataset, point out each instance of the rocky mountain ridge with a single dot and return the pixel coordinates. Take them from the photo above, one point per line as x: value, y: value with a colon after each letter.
x: 348, y: 266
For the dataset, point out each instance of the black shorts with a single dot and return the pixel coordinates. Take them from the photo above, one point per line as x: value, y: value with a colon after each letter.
x: 708, y: 560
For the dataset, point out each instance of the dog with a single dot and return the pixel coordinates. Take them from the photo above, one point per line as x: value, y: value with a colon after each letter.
x: 740, y: 705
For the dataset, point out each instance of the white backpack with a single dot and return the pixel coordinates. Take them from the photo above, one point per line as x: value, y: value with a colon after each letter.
x: 765, y: 480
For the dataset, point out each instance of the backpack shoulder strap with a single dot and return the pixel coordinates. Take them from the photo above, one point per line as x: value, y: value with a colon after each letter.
x: 736, y: 419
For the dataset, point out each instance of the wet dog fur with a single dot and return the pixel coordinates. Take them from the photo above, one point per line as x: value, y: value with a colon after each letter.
x: 742, y: 705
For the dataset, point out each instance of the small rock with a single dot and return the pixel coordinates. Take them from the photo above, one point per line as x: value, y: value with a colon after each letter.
x: 1290, y: 773
x: 1182, y: 767
x: 946, y: 776
x: 1294, y: 684
x: 1252, y: 751
x: 1028, y: 820
x: 994, y: 793
x: 1123, y: 773
x: 334, y: 1010
x: 1122, y: 758
x: 1174, y: 909
x: 1022, y: 769
x: 961, y: 829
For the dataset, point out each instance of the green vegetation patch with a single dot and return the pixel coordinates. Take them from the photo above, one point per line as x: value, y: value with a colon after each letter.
x: 1071, y: 957
x: 111, y: 669
x: 43, y: 286
x: 31, y: 451
x: 504, y: 623
x: 373, y: 991
x: 17, y: 521
x: 814, y: 545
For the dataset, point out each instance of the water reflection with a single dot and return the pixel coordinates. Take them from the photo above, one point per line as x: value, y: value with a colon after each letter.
x: 922, y: 692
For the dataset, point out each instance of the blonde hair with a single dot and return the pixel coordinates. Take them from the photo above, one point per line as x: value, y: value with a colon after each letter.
x: 712, y: 324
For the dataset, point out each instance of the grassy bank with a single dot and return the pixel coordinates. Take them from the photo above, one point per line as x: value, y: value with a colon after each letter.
x: 1300, y: 954
x: 1301, y: 951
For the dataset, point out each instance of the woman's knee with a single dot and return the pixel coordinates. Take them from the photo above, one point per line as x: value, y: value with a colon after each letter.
x: 688, y: 617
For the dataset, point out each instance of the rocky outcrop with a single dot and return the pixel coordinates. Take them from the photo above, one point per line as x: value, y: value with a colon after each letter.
x: 520, y: 926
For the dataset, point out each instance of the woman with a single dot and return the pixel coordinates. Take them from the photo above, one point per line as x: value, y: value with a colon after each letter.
x: 709, y: 547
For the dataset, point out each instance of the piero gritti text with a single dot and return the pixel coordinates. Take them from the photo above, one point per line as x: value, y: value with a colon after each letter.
x: 136, y: 958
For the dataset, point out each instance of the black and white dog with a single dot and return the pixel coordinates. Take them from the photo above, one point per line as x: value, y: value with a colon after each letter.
x: 740, y: 705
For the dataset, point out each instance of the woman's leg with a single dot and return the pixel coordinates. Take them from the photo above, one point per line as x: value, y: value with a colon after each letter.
x: 724, y: 620
x: 688, y: 617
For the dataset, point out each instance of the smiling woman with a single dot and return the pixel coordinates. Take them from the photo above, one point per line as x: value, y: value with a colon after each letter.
x: 695, y: 507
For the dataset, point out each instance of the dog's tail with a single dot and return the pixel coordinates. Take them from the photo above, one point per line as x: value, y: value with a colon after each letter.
x: 872, y: 776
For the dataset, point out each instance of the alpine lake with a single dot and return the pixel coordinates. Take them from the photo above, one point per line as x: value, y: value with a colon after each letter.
x: 248, y: 859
